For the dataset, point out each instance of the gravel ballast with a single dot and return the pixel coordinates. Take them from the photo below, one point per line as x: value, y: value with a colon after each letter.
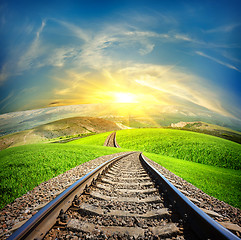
x: 24, y: 207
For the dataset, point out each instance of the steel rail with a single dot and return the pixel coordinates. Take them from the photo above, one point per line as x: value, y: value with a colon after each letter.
x: 38, y: 225
x: 115, y: 142
x: 109, y: 139
x: 203, y: 225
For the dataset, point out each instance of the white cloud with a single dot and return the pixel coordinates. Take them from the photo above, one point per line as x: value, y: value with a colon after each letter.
x: 96, y: 48
x: 78, y: 32
x: 4, y: 73
x: 187, y: 38
x: 174, y: 86
x: 230, y: 56
x: 200, y: 43
x: 151, y: 18
x: 59, y: 57
x: 225, y: 28
x: 148, y: 49
x: 8, y: 100
x: 41, y: 53
x: 94, y: 51
x: 218, y: 61
x: 43, y: 24
x: 35, y: 50
x: 183, y: 37
x: 10, y: 95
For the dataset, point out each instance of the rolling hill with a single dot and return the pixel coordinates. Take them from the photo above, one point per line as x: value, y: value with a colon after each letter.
x: 64, y: 127
x: 132, y: 115
x: 185, y: 145
x: 208, y: 162
x: 211, y: 129
x: 78, y: 127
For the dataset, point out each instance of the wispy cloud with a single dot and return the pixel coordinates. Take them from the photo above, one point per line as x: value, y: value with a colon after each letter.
x: 150, y: 17
x: 93, y: 61
x: 11, y: 94
x: 58, y: 57
x: 4, y: 73
x: 43, y: 24
x: 230, y: 56
x: 177, y: 86
x: 94, y: 51
x: 96, y: 48
x: 218, y: 61
x: 187, y: 38
x: 148, y: 49
x: 168, y: 85
x: 183, y: 37
x: 70, y: 84
x: 26, y: 61
x: 40, y: 53
x: 8, y: 100
x: 224, y: 29
x: 80, y: 33
x: 199, y: 42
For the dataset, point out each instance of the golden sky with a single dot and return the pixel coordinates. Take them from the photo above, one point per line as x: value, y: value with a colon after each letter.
x: 153, y: 52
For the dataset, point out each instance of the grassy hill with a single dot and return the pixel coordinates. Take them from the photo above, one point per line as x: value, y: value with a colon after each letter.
x: 65, y: 127
x: 210, y: 129
x: 208, y: 162
x: 130, y: 114
x: 25, y: 167
x: 190, y: 146
x: 22, y: 168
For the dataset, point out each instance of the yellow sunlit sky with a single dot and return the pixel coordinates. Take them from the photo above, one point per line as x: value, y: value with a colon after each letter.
x: 177, y: 53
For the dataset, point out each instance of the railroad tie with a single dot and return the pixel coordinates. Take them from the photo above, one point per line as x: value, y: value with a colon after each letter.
x: 119, y: 199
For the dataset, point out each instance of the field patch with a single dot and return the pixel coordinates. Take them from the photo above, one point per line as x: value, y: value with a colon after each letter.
x: 212, y: 180
x: 63, y: 129
x: 25, y: 167
x: 22, y: 168
x: 184, y: 153
x: 186, y: 145
x: 95, y: 140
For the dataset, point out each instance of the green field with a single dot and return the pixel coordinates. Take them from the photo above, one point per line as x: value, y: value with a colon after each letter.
x: 182, y: 152
x: 95, y: 140
x: 186, y: 145
x: 212, y: 180
x: 25, y: 167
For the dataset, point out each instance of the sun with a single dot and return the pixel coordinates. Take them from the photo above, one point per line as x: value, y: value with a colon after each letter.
x: 121, y: 97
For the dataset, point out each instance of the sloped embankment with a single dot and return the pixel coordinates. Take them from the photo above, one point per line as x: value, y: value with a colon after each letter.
x: 63, y: 127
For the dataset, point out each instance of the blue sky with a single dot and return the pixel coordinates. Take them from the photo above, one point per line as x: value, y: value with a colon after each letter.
x: 164, y: 52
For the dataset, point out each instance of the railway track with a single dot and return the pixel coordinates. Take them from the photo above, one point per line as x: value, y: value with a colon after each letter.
x: 111, y: 141
x: 124, y: 198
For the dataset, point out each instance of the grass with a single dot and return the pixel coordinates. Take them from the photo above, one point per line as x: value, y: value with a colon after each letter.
x: 25, y: 167
x: 69, y: 138
x: 168, y: 147
x: 186, y: 145
x: 190, y: 146
x: 212, y: 180
x: 22, y: 168
x: 95, y: 140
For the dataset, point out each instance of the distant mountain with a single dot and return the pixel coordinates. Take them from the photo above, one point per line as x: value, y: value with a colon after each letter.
x: 19, y: 121
x: 64, y: 127
x: 211, y: 129
x: 133, y: 115
x: 201, y: 125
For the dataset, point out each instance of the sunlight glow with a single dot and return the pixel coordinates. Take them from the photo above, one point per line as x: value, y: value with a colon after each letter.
x: 121, y: 97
